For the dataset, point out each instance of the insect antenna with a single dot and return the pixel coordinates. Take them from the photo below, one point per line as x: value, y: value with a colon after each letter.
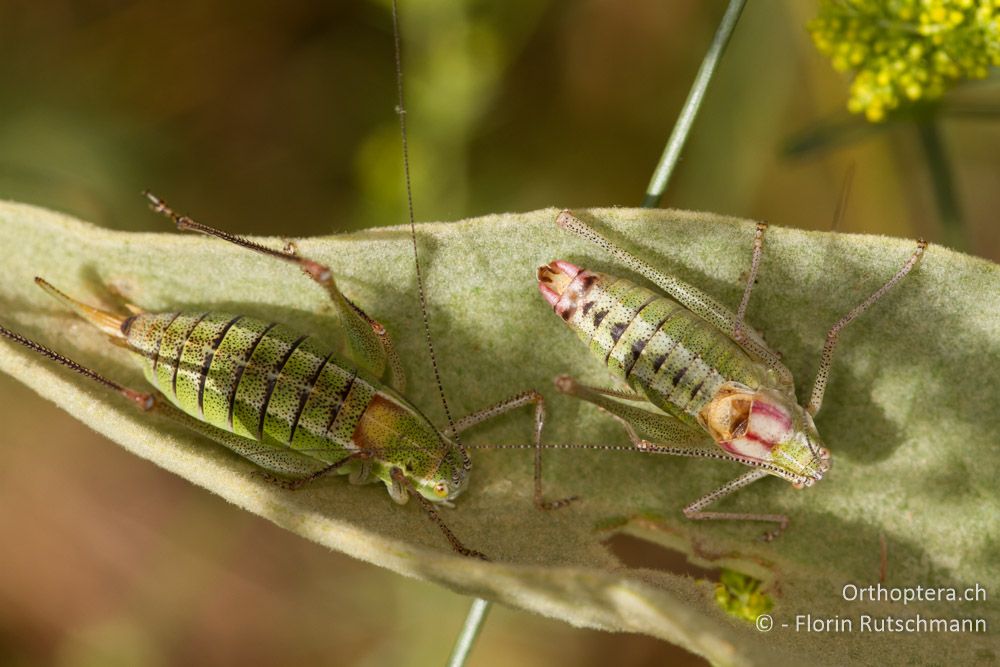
x: 838, y: 217
x: 845, y: 194
x: 581, y: 446
x: 401, y: 113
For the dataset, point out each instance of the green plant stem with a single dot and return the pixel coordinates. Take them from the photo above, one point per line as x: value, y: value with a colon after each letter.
x: 672, y: 151
x: 948, y: 208
x: 473, y: 624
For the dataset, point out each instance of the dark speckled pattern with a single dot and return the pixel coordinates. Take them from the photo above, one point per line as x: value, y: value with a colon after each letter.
x: 270, y: 384
x: 664, y: 351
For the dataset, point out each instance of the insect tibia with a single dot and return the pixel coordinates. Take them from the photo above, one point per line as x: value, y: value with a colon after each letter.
x: 184, y: 223
x: 111, y: 324
x: 826, y: 357
x: 142, y: 400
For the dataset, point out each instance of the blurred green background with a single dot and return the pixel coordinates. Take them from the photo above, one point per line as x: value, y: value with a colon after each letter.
x: 277, y: 118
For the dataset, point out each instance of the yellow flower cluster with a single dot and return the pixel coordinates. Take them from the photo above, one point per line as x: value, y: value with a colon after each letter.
x: 740, y: 595
x: 903, y: 51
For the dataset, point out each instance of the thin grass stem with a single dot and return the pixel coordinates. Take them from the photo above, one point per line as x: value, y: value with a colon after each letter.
x: 672, y: 151
x: 473, y: 624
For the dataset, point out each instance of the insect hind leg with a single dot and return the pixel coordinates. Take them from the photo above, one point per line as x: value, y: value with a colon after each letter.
x: 368, y: 342
x: 687, y: 295
x: 661, y: 427
x: 143, y: 400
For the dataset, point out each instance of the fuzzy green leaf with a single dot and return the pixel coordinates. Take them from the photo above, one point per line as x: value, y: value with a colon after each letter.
x: 912, y: 439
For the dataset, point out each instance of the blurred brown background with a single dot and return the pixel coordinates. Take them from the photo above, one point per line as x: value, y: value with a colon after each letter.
x: 277, y: 118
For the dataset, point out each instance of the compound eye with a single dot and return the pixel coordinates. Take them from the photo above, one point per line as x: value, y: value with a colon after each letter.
x: 441, y: 490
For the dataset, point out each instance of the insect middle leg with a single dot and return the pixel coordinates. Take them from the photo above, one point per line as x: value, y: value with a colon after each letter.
x: 683, y: 441
x: 512, y: 403
x: 368, y: 342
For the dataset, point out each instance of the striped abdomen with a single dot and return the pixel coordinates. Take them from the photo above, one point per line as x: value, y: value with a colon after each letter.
x: 256, y: 379
x: 661, y: 349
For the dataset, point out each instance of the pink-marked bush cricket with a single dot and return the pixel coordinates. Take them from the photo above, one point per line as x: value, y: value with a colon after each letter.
x: 700, y: 382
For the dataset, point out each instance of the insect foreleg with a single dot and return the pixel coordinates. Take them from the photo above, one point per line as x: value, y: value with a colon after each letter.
x: 693, y: 511
x: 362, y: 474
x: 368, y: 343
x: 399, y: 479
x: 826, y: 358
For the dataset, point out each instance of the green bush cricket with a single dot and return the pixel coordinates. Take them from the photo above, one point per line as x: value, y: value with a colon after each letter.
x: 697, y: 376
x: 296, y: 406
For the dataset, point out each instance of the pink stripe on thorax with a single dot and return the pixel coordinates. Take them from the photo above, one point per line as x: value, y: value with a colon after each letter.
x: 768, y: 410
x: 756, y: 438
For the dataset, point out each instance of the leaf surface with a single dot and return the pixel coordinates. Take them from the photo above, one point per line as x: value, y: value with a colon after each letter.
x: 909, y: 416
